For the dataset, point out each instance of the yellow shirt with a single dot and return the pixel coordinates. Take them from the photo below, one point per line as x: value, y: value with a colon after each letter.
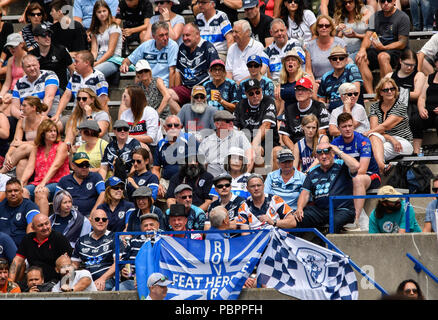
x: 96, y: 154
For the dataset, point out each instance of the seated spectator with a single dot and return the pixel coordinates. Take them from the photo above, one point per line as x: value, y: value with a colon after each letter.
x: 34, y: 15
x: 142, y: 175
x: 166, y: 12
x: 216, y: 145
x: 143, y: 120
x: 160, y: 52
x: 9, y: 248
x: 195, y: 215
x: 197, y: 116
x: 407, y: 77
x: 359, y: 147
x: 91, y: 144
x: 221, y: 91
x: 382, y: 46
x: 48, y: 163
x: 66, y: 31
x: 40, y: 248
x: 189, y: 72
x: 4, y: 146
x: 51, y: 55
x: 77, y: 280
x: 427, y: 56
x: 281, y: 45
x: 14, y: 69
x: 239, y: 52
x: 95, y: 252
x: 410, y: 289
x: 16, y: 212
x: 32, y: 110
x: 236, y: 165
x: 67, y: 220
x: 287, y: 181
x: 389, y: 216
x: 149, y: 222
x: 390, y: 134
x: 260, y: 210
x: 88, y: 107
x: 429, y: 220
x: 116, y: 207
x: 342, y: 72
x: 351, y: 20
x: 254, y: 65
x: 6, y: 284
x: 87, y: 188
x: 214, y: 27
x: 299, y: 20
x: 304, y: 150
x: 258, y: 21
x: 35, y: 281
x: 258, y: 115
x: 6, y: 29
x: 169, y: 151
x: 226, y: 200
x: 220, y: 220
x: 31, y: 85
x: 83, y: 11
x: 106, y: 39
x: 155, y: 90
x: 178, y: 222
x: 120, y: 147
x: 349, y: 96
x: 318, y: 49
x: 330, y: 177
x: 133, y: 16
x: 84, y: 77
x: 144, y: 203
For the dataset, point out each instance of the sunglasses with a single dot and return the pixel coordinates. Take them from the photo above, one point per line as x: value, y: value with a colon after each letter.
x: 172, y: 125
x: 301, y: 89
x: 337, y: 58
x: 257, y: 92
x: 37, y: 14
x: 348, y: 2
x: 186, y: 197
x: 407, y: 291
x: 117, y: 188
x: 199, y: 97
x: 82, y: 98
x: 293, y: 1
x: 253, y: 65
x: 324, y: 151
x: 409, y: 65
x: 350, y: 94
x: 324, y: 26
x: 162, y: 279
x: 383, y: 1
x: 220, y: 186
x: 162, y: 2
x: 122, y: 129
x: 435, y: 190
x: 97, y: 219
x: 142, y: 71
x: 138, y: 161
x: 388, y: 90
x: 83, y: 165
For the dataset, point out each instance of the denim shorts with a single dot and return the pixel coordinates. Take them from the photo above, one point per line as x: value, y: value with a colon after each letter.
x: 50, y: 186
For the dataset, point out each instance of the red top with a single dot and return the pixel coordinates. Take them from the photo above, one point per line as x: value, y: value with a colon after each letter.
x: 42, y: 165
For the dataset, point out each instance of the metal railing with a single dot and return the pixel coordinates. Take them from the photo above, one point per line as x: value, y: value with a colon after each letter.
x: 330, y: 246
x: 418, y: 267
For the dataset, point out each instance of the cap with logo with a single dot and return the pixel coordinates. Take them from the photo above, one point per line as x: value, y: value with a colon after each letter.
x: 222, y: 176
x: 113, y: 181
x: 252, y: 84
x: 198, y: 89
x: 247, y: 4
x: 254, y: 58
x: 305, y: 83
x: 41, y: 30
x: 285, y: 154
x: 80, y: 157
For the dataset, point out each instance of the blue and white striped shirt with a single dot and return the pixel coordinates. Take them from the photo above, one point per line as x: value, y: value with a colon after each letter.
x: 215, y: 29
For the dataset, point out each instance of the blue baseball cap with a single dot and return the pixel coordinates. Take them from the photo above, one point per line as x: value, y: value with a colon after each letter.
x: 249, y: 4
x: 113, y: 181
x: 254, y: 58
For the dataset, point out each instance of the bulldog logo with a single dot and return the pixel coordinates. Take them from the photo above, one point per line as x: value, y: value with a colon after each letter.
x: 314, y: 264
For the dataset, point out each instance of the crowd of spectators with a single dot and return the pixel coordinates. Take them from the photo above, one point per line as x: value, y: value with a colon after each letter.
x: 235, y: 120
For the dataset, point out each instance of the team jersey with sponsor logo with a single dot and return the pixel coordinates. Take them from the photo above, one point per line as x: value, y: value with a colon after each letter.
x: 95, y: 81
x: 215, y: 29
x: 149, y: 124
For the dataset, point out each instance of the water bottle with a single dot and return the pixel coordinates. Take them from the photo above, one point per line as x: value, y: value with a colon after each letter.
x: 420, y: 153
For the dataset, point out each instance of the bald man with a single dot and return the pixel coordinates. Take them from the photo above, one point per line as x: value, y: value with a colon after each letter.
x: 41, y: 248
x: 71, y: 279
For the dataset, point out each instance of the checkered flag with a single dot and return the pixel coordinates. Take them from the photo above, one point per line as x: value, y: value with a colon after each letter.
x: 301, y: 269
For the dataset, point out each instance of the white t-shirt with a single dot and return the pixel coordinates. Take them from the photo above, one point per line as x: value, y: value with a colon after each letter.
x: 3, y: 179
x: 149, y: 124
x: 430, y: 48
x: 103, y: 40
x: 359, y: 114
x: 79, y: 274
x: 303, y: 30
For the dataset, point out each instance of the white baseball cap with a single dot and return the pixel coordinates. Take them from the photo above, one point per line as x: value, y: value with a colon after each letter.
x: 158, y: 279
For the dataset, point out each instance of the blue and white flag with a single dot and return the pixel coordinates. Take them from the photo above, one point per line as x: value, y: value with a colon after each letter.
x: 306, y: 271
x: 208, y: 269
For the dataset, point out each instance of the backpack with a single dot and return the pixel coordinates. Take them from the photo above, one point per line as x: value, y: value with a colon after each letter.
x: 398, y: 175
x: 418, y: 178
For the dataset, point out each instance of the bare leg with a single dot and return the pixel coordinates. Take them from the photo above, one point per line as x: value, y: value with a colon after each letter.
x: 21, y: 166
x: 377, y: 146
x: 367, y: 76
x: 360, y: 185
x: 417, y: 145
x: 384, y: 63
x: 42, y: 200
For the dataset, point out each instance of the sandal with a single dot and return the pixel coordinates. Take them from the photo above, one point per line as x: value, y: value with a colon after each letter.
x: 387, y: 169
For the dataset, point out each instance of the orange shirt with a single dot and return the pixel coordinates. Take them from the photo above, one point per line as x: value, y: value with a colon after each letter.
x: 10, y: 287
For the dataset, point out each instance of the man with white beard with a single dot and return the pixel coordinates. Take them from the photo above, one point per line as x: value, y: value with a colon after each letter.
x: 198, y: 115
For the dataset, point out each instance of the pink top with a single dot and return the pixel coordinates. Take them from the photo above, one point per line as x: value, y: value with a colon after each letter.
x: 16, y: 73
x: 42, y: 165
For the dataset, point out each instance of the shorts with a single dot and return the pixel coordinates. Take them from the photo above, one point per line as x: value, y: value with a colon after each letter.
x: 50, y: 186
x: 372, y: 54
x: 184, y: 94
x: 375, y: 181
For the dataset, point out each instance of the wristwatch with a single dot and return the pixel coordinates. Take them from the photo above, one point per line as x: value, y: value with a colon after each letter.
x: 275, y: 223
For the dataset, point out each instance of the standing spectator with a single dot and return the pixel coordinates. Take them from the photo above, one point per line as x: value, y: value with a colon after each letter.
x: 426, y: 7
x: 382, y: 46
x: 167, y: 14
x: 221, y: 92
x: 429, y: 221
x: 67, y: 220
x: 299, y: 20
x: 160, y: 52
x: 96, y: 251
x: 106, y: 39
x: 141, y: 175
x: 214, y: 27
x: 410, y: 289
x: 48, y: 163
x: 83, y: 10
x: 51, y: 55
x: 79, y: 280
x: 258, y: 21
x: 87, y: 188
x: 34, y: 15
x: 190, y: 70
x: 6, y: 284
x: 238, y: 53
x: 144, y: 204
x: 254, y: 65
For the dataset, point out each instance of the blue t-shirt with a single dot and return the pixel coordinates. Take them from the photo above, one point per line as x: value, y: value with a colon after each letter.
x: 147, y: 179
x: 431, y: 212
x: 8, y: 248
x: 289, y: 191
x: 358, y: 148
x: 112, y: 151
x: 85, y: 194
x: 84, y: 9
x: 336, y: 181
x: 117, y: 218
x: 14, y: 220
x: 228, y: 91
x: 195, y: 219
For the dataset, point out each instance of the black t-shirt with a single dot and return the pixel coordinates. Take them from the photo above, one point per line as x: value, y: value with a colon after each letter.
x: 134, y: 17
x: 44, y: 254
x: 57, y: 60
x: 74, y: 39
x: 261, y: 31
x: 7, y: 29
